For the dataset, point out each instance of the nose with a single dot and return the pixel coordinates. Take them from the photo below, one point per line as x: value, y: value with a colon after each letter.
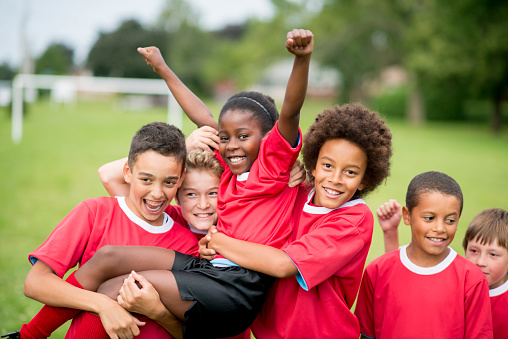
x: 203, y: 202
x: 336, y: 177
x: 439, y: 226
x: 157, y: 192
x: 481, y: 262
x: 232, y: 144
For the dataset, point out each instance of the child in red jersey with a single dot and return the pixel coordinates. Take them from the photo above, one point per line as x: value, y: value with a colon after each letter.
x: 155, y: 170
x: 220, y: 299
x: 425, y: 289
x: 346, y: 152
x: 485, y: 244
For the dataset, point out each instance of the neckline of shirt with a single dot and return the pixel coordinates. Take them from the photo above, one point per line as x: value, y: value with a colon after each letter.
x: 165, y: 227
x: 426, y: 270
x: 313, y: 209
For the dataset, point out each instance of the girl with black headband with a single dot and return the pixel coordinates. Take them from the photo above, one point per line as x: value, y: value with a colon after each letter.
x: 257, y: 147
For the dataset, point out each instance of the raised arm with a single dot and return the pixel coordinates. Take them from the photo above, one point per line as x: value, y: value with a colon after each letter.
x: 195, y: 109
x: 253, y: 256
x: 111, y: 175
x: 389, y: 215
x: 299, y: 42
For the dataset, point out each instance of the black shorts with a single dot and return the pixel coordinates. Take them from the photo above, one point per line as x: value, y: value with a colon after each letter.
x: 226, y: 299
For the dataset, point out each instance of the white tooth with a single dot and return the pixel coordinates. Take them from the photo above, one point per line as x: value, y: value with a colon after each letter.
x: 332, y: 192
x: 436, y: 239
x: 236, y: 160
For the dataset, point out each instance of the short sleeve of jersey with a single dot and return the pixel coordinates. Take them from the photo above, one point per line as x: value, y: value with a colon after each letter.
x: 478, y: 317
x: 364, y: 310
x: 276, y: 156
x: 68, y: 240
x: 331, y: 245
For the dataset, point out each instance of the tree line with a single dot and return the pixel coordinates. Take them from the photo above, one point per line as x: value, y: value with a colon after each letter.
x: 455, y: 53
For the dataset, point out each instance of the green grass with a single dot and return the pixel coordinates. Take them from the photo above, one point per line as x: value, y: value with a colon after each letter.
x: 55, y: 167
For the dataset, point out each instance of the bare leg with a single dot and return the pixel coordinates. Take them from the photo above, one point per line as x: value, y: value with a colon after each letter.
x: 165, y: 284
x: 113, y: 261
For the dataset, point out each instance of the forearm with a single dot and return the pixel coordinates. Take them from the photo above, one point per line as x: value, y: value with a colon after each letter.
x: 253, y: 256
x: 111, y: 176
x: 391, y: 240
x: 294, y: 98
x: 193, y: 107
x: 47, y: 288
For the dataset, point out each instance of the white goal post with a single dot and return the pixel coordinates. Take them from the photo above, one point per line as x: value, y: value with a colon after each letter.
x: 71, y: 85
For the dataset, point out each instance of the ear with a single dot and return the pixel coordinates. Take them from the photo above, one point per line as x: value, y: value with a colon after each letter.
x: 406, y: 215
x: 361, y: 187
x: 127, y: 174
x: 182, y: 178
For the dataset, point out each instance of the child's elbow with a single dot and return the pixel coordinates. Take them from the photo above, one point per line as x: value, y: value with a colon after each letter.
x: 285, y: 269
x: 29, y: 288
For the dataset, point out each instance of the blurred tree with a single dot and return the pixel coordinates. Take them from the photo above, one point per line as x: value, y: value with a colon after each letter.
x: 114, y: 54
x: 57, y: 59
x: 359, y: 38
x: 461, y: 49
x: 6, y: 72
x: 187, y: 46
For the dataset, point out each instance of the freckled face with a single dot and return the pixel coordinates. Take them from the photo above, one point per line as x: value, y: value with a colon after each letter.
x: 154, y: 180
x: 240, y: 137
x: 492, y: 259
x: 198, y: 198
x: 433, y: 225
x: 339, y: 172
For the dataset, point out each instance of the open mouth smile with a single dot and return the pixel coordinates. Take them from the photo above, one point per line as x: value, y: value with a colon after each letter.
x: 236, y: 160
x: 153, y: 206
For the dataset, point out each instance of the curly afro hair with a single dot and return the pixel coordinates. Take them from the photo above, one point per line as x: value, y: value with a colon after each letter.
x: 357, y: 125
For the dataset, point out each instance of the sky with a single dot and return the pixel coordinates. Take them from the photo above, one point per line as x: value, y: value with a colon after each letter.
x: 77, y: 23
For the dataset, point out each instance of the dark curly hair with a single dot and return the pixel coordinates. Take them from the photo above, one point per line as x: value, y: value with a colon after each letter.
x: 261, y: 106
x: 357, y: 125
x: 159, y: 137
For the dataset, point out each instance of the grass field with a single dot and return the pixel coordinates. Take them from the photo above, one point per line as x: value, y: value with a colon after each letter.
x: 55, y: 167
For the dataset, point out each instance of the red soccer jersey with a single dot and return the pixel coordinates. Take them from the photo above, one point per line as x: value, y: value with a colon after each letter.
x: 107, y: 221
x: 257, y: 206
x: 329, y: 248
x: 499, y: 303
x: 401, y: 300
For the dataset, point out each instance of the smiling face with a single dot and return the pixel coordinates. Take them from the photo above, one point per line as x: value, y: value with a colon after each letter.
x: 492, y: 259
x: 154, y: 180
x: 339, y: 173
x: 198, y: 198
x: 433, y: 223
x: 240, y: 137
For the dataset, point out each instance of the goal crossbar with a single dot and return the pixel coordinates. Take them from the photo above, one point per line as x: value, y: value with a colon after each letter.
x: 87, y: 84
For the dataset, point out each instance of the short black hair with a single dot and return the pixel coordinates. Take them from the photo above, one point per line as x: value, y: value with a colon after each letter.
x: 261, y: 106
x: 159, y: 137
x: 359, y: 126
x: 432, y: 182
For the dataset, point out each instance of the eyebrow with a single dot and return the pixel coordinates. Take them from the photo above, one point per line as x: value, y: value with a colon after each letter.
x: 236, y: 130
x: 146, y: 174
x: 331, y: 160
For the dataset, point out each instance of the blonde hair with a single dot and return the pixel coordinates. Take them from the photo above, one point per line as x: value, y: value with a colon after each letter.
x: 487, y: 226
x: 201, y: 160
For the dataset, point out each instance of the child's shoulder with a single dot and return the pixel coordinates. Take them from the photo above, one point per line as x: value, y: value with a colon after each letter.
x: 101, y: 202
x: 470, y: 270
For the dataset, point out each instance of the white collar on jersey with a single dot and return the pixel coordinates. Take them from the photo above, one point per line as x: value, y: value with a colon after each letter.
x: 195, y: 230
x: 426, y: 270
x: 242, y: 177
x: 323, y: 210
x: 499, y: 290
x: 166, y: 225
